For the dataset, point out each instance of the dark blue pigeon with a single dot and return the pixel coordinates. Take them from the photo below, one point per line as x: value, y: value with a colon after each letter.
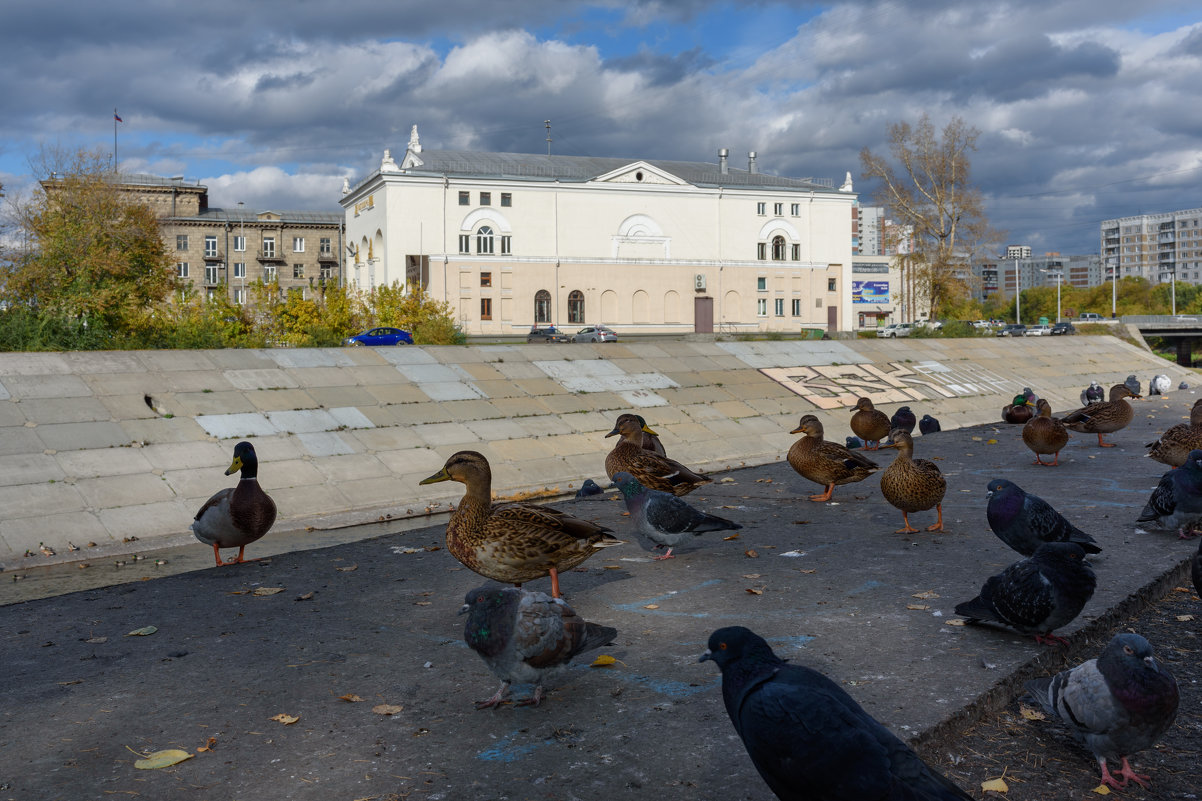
x: 807, y: 737
x: 928, y: 425
x: 1025, y: 521
x: 1183, y: 385
x: 853, y: 443
x: 662, y: 517
x: 1037, y: 595
x: 1092, y: 394
x: 1132, y: 383
x: 1117, y: 704
x: 904, y: 419
x: 1176, y: 503
x: 589, y: 489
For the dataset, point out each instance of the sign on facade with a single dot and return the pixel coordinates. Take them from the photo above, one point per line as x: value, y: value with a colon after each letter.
x: 869, y: 291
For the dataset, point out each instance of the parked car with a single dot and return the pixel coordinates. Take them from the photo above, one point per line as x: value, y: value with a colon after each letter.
x: 895, y: 330
x: 1012, y: 330
x: 1038, y: 331
x: 1089, y: 317
x: 595, y: 333
x: 381, y: 336
x: 982, y: 324
x: 1061, y: 328
x: 886, y: 331
x: 547, y: 334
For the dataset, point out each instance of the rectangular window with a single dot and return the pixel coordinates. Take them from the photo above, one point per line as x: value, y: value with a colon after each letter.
x: 239, y: 296
x: 761, y: 284
x: 240, y: 244
x: 181, y: 269
x: 761, y: 307
x: 210, y: 247
x: 464, y: 242
x: 796, y: 252
x: 298, y: 244
x: 325, y: 272
x: 796, y: 307
x: 465, y: 198
x: 506, y: 245
x: 485, y: 308
x: 239, y: 269
x: 761, y: 209
x: 830, y: 285
x: 269, y: 247
x: 795, y: 209
x: 298, y: 271
x: 779, y: 307
x: 778, y: 209
x: 485, y: 279
x: 181, y: 241
x: 269, y: 274
x: 761, y: 251
x: 324, y: 246
x: 486, y: 198
x: 817, y: 303
x: 211, y: 276
x: 506, y: 199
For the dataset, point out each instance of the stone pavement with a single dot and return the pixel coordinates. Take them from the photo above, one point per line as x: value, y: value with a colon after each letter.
x: 110, y: 448
x: 830, y: 586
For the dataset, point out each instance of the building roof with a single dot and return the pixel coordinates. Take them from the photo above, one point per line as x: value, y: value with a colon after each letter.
x: 248, y: 216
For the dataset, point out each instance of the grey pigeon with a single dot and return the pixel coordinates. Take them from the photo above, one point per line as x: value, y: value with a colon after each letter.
x: 1037, y: 595
x: 807, y: 737
x: 1024, y: 521
x: 928, y: 425
x: 1092, y: 394
x: 1183, y: 385
x: 1159, y: 384
x: 1176, y: 503
x: 904, y: 419
x: 853, y: 443
x: 1117, y: 704
x: 662, y: 517
x: 589, y: 489
x: 1132, y: 383
x: 526, y: 637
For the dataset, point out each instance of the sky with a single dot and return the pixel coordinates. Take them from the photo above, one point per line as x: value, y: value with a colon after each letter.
x: 1086, y: 109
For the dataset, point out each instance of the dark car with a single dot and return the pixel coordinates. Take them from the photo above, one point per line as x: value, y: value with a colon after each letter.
x: 381, y: 336
x: 1063, y: 328
x: 1013, y: 330
x: 547, y: 334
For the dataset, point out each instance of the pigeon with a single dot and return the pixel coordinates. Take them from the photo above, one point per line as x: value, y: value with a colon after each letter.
x: 807, y: 737
x: 1183, y: 385
x: 1117, y: 704
x: 853, y: 443
x: 662, y: 517
x: 1037, y: 595
x: 589, y: 489
x: 904, y: 419
x: 525, y: 637
x: 1159, y: 384
x: 1132, y: 384
x: 1176, y: 503
x: 1025, y: 521
x: 1092, y: 394
x: 1195, y: 569
x: 928, y: 425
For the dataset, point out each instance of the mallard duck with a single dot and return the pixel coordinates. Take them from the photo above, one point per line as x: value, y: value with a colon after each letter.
x: 1045, y: 434
x: 650, y: 441
x: 513, y: 542
x: 869, y: 424
x: 236, y: 516
x: 912, y: 485
x: 1019, y: 410
x: 1105, y: 417
x: 1175, y: 444
x: 826, y: 463
x: 652, y: 470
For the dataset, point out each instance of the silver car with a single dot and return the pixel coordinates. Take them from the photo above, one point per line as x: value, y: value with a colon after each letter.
x: 595, y: 333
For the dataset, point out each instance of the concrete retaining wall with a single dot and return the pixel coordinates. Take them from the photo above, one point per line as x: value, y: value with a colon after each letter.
x: 99, y: 447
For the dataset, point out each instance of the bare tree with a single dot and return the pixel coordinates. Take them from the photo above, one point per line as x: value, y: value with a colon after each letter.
x: 930, y: 198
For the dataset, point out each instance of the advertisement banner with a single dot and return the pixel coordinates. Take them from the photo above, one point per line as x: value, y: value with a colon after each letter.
x: 869, y: 291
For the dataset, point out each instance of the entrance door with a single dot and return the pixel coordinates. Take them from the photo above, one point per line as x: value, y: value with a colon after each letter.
x: 703, y: 314
x: 832, y: 319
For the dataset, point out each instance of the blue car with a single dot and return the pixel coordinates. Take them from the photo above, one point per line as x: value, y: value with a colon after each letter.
x: 381, y: 336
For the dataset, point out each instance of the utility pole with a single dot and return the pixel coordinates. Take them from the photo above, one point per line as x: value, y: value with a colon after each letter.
x: 548, y: 124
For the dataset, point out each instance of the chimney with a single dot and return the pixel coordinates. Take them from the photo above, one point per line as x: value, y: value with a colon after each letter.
x: 722, y: 168
x: 751, y: 168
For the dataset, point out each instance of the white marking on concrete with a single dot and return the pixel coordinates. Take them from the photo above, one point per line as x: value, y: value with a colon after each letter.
x: 229, y: 426
x: 351, y: 417
x: 324, y: 443
x: 310, y: 357
x: 302, y: 421
x: 642, y: 398
x: 450, y: 390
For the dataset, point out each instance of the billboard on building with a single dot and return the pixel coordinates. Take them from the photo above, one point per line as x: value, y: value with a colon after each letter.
x: 869, y: 291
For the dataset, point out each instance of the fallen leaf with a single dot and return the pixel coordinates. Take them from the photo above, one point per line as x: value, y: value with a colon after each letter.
x: 350, y: 698
x: 306, y: 597
x: 162, y: 759
x: 991, y: 442
x: 918, y: 607
x: 603, y: 661
x: 750, y: 554
x: 1101, y: 789
x: 261, y: 591
x: 209, y: 746
x: 238, y: 592
x: 995, y: 785
x: 976, y: 439
x: 651, y: 606
x: 954, y: 622
x: 926, y: 595
x: 1031, y: 713
x: 812, y: 570
x: 794, y: 553
x: 613, y: 567
x: 1184, y: 618
x: 387, y: 709
x: 69, y: 683
x: 731, y: 537
x: 800, y: 522
x: 347, y: 569
x: 96, y: 640
x: 287, y: 720
x: 145, y: 631
x: 754, y: 591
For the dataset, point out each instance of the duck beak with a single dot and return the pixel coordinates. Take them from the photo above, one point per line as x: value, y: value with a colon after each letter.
x: 613, y: 433
x: 235, y: 466
x: 441, y: 475
x: 796, y: 431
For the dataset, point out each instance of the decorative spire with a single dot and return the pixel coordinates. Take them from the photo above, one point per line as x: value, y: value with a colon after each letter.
x: 346, y: 185
x: 414, y: 145
x: 847, y: 183
x: 387, y: 164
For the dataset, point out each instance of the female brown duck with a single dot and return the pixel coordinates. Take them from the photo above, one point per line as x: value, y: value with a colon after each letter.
x: 869, y: 424
x: 1045, y: 434
x: 826, y: 463
x: 912, y: 485
x: 513, y: 542
x: 1175, y: 444
x: 1105, y: 417
x: 652, y: 470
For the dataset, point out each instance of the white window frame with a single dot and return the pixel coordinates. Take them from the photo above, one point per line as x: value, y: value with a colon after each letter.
x: 778, y: 209
x: 239, y: 269
x: 795, y: 209
x: 239, y: 296
x: 181, y: 241
x: 181, y: 269
x: 298, y: 244
x: 484, y: 240
x: 212, y: 274
x: 298, y: 271
x: 210, y: 246
x: 269, y: 247
x: 779, y: 306
x: 269, y: 276
x: 761, y: 307
x: 239, y: 244
x: 761, y: 209
x: 796, y: 307
x: 325, y: 246
x: 761, y: 283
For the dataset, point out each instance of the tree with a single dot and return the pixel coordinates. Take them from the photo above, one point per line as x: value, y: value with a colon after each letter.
x: 931, y: 199
x: 94, y: 256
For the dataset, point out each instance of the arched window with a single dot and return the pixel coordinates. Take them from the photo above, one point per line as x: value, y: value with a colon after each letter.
x: 576, y: 307
x: 542, y: 306
x: 484, y: 239
x: 778, y: 248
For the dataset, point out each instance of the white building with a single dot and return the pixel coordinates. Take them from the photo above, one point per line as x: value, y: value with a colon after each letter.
x: 644, y: 245
x: 1159, y: 247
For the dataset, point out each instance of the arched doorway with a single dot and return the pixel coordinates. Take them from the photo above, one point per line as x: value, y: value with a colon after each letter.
x: 576, y: 307
x: 542, y: 306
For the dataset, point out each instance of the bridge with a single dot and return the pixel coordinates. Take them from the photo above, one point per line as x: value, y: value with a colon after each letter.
x: 1184, y: 330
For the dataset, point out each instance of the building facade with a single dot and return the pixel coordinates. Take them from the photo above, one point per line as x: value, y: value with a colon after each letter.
x: 642, y: 245
x: 1158, y: 247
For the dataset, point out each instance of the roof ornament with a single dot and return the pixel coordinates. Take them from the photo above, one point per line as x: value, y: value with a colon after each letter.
x: 387, y: 164
x: 346, y: 185
x: 414, y: 145
x: 847, y: 183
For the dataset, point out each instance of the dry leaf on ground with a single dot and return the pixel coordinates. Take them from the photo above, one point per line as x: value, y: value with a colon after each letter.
x: 387, y: 709
x: 267, y: 590
x: 350, y: 698
x: 926, y: 595
x: 750, y: 554
x: 162, y: 759
x: 731, y: 537
x: 287, y: 720
x: 145, y: 631
x: 347, y: 569
x: 605, y: 660
x: 1031, y: 713
x: 996, y: 785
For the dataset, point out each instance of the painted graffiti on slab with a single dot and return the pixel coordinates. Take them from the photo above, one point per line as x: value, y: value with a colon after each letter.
x: 834, y: 386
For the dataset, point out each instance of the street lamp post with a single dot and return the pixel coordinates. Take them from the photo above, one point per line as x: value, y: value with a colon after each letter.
x: 242, y: 233
x: 1173, y: 287
x: 1114, y: 289
x: 1018, y: 294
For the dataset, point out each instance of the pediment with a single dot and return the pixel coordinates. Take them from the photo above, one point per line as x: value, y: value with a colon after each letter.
x: 639, y: 172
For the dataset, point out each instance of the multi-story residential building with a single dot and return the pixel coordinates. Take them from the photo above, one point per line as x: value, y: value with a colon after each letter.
x: 1003, y: 275
x: 1018, y: 252
x: 870, y: 222
x: 1158, y: 247
x: 513, y: 240
x: 226, y: 250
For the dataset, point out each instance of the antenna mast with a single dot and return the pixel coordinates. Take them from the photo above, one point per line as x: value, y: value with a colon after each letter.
x: 548, y: 124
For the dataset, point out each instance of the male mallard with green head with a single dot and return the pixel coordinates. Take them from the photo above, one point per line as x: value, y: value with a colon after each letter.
x: 236, y: 516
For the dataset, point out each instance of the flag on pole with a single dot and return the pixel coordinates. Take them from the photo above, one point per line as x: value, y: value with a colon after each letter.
x: 116, y: 118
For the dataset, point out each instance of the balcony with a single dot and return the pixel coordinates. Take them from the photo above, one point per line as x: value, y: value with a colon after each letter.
x: 327, y: 257
x: 214, y: 255
x: 270, y: 256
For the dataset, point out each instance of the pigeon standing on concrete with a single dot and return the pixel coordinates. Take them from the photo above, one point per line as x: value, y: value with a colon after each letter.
x: 526, y: 637
x: 1037, y: 595
x: 662, y: 517
x: 1132, y: 383
x: 807, y: 737
x: 904, y: 419
x: 1117, y: 704
x: 1176, y: 503
x: 1024, y: 521
x: 589, y: 489
x: 1159, y: 384
x: 1183, y: 385
x: 853, y: 443
x: 928, y: 425
x: 1092, y: 394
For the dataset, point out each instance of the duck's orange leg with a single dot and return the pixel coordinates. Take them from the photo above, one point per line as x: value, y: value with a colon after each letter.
x: 826, y: 496
x: 938, y: 526
x: 1104, y: 444
x: 217, y: 555
x: 554, y: 583
x: 908, y: 529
